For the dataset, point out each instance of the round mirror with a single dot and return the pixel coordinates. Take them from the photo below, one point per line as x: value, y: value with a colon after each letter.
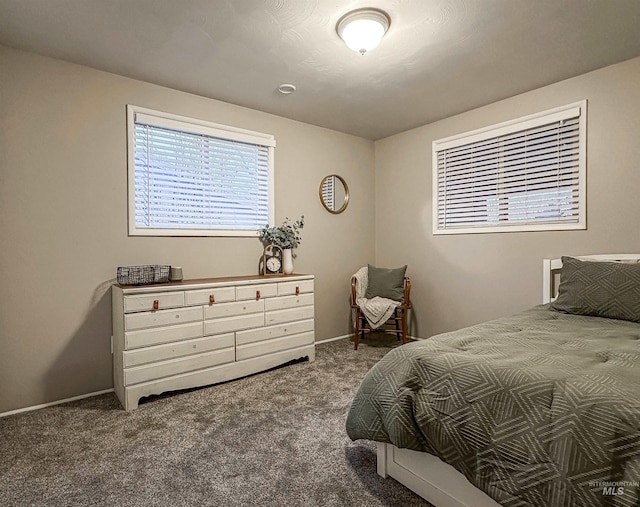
x: 334, y: 193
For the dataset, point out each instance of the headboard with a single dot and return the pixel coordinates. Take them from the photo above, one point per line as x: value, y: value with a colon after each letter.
x: 551, y: 270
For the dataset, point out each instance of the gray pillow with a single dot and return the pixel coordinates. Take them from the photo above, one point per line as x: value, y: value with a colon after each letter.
x: 601, y: 289
x: 386, y: 283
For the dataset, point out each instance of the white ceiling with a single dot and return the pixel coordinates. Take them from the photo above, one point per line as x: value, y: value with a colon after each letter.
x: 439, y: 57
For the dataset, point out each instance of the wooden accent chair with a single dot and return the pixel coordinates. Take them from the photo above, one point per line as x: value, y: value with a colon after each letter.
x: 398, y: 319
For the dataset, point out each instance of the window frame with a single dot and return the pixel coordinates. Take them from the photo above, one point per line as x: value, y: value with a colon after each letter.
x: 201, y: 127
x: 513, y: 126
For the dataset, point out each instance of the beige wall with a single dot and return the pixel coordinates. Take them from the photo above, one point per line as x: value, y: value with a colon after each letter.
x: 63, y: 221
x: 465, y: 279
x: 63, y: 218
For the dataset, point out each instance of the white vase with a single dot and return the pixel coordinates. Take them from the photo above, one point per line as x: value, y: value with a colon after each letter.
x: 287, y: 261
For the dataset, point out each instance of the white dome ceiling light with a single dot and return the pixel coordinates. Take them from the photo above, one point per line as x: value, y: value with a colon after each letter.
x: 363, y: 29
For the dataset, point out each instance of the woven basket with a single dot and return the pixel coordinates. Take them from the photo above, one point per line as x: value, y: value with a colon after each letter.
x: 143, y: 275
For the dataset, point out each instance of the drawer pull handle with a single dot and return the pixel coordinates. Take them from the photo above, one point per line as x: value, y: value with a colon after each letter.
x: 212, y: 299
x: 257, y: 295
x: 297, y: 291
x: 156, y: 304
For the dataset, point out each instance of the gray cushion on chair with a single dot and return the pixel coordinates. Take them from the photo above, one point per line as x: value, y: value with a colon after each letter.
x: 386, y: 283
x: 601, y: 289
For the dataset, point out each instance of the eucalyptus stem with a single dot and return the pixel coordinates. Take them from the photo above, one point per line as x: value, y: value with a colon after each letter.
x: 286, y: 236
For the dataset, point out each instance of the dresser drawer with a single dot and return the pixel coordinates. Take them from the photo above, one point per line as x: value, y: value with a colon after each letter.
x: 158, y: 335
x: 280, y: 303
x: 291, y: 314
x: 153, y: 371
x: 146, y: 302
x: 268, y: 333
x: 161, y: 318
x: 228, y: 324
x: 299, y: 287
x: 203, y: 297
x: 178, y: 349
x: 216, y: 310
x: 271, y: 346
x: 267, y: 290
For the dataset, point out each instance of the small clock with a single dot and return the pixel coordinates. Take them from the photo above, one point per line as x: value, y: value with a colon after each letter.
x: 272, y: 260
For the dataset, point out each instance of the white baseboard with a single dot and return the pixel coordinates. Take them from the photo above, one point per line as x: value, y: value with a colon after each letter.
x: 51, y: 403
x: 344, y: 336
x: 335, y: 339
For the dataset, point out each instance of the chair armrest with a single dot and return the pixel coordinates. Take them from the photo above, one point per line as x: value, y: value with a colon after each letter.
x: 407, y: 291
x: 353, y: 291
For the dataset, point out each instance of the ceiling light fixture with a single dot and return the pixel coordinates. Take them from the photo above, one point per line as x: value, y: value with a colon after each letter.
x: 363, y: 29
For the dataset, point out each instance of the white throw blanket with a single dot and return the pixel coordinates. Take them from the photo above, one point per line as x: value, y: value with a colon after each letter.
x: 377, y: 310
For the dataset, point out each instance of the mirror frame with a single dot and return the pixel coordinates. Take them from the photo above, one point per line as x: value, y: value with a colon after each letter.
x: 346, y: 194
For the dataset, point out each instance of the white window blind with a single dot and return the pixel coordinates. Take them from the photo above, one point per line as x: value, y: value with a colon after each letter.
x: 526, y: 174
x: 190, y: 177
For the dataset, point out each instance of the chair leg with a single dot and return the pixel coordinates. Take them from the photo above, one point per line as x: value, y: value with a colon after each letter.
x: 395, y: 321
x: 356, y: 333
x: 404, y: 326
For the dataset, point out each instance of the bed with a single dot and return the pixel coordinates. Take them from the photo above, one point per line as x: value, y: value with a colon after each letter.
x: 541, y: 408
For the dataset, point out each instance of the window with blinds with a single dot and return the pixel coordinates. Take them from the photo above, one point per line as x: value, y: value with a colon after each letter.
x: 194, y: 178
x: 523, y: 175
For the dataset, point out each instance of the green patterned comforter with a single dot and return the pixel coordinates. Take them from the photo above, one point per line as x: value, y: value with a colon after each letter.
x: 537, y: 409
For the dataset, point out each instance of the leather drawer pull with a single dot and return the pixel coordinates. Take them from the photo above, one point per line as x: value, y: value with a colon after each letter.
x: 297, y: 291
x: 156, y: 304
x: 212, y: 299
x: 257, y: 295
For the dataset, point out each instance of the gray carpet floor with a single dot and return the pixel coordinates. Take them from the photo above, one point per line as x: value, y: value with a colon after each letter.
x: 272, y: 439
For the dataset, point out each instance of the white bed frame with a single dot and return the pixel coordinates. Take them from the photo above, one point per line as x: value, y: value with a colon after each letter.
x: 433, y: 479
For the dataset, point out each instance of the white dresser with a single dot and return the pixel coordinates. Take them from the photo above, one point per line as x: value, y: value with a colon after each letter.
x: 198, y: 332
